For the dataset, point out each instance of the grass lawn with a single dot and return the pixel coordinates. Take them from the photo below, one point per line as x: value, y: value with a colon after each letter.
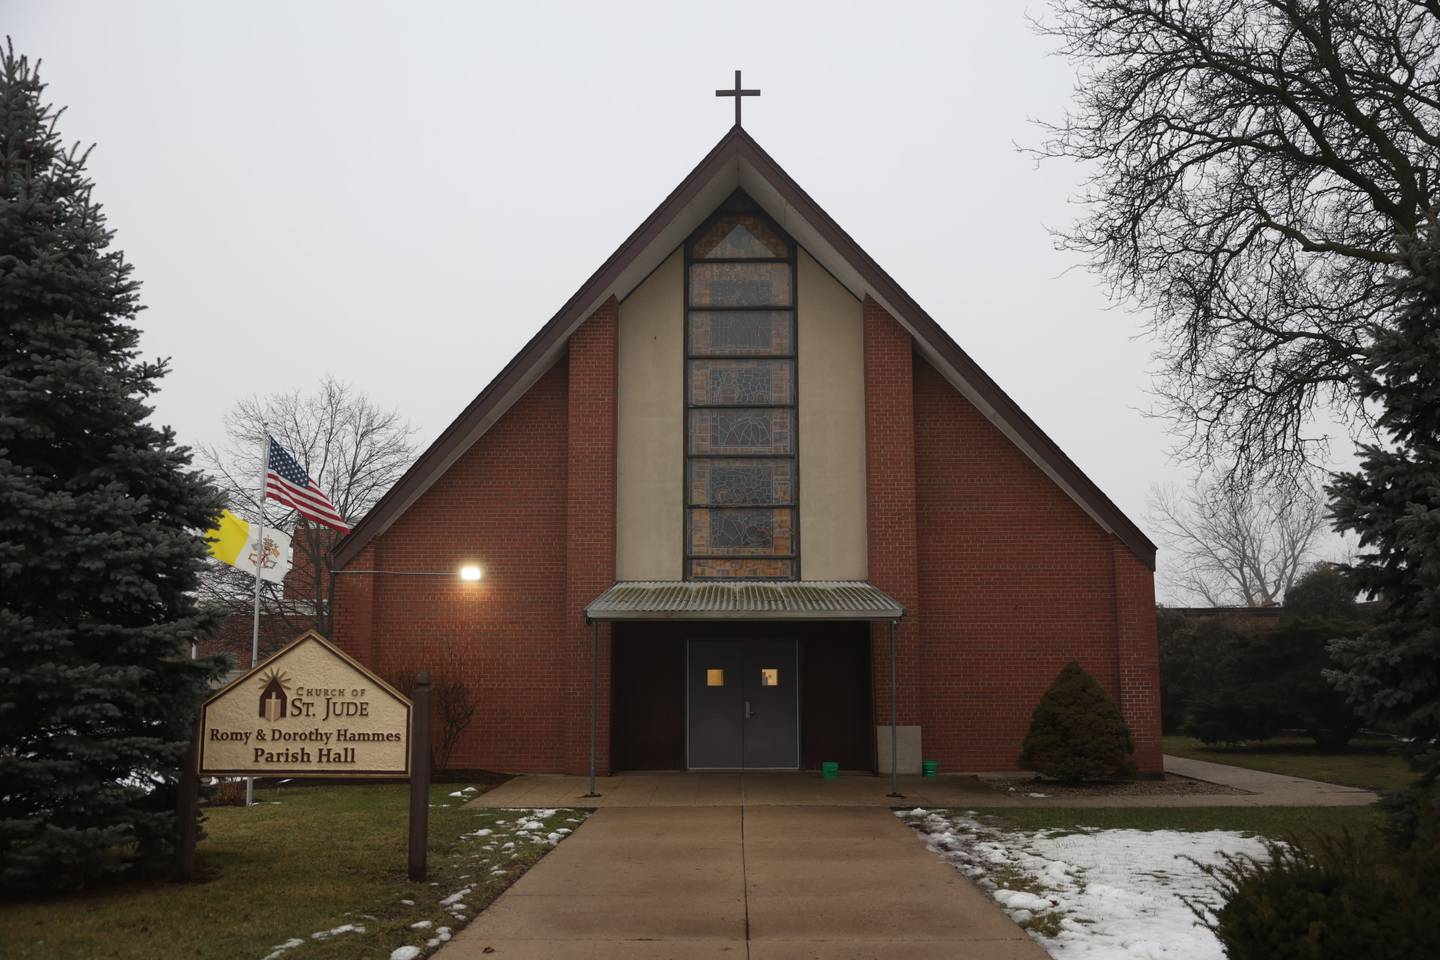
x: 1275, y: 822
x: 1368, y: 763
x: 302, y: 861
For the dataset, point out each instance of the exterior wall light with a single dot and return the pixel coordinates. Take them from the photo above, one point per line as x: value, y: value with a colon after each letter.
x: 470, y: 573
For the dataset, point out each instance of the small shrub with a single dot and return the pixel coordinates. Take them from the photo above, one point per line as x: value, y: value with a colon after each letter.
x: 1333, y: 898
x: 1077, y: 733
x: 227, y: 792
x: 452, y: 707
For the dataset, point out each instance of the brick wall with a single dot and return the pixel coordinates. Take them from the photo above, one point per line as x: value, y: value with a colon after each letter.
x: 501, y: 505
x: 590, y: 525
x: 533, y: 503
x: 890, y: 506
x: 1138, y: 654
x: 1015, y: 581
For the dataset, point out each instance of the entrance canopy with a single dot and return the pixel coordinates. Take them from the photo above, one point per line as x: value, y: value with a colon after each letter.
x: 743, y: 600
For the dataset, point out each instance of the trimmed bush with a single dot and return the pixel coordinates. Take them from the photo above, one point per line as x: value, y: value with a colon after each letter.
x: 1077, y: 733
x: 1332, y: 898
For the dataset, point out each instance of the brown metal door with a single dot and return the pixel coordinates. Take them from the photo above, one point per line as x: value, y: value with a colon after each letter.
x: 742, y: 705
x: 715, y: 706
x: 772, y: 705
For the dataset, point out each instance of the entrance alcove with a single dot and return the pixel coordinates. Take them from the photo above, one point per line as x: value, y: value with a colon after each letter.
x: 661, y: 675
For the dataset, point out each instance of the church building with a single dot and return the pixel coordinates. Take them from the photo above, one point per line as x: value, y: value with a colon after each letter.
x: 736, y: 505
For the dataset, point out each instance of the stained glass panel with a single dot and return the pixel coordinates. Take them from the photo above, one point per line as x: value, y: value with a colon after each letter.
x: 742, y: 333
x: 747, y: 567
x: 740, y: 235
x: 739, y: 431
x: 740, y: 532
x: 740, y: 285
x: 741, y: 382
x: 742, y: 483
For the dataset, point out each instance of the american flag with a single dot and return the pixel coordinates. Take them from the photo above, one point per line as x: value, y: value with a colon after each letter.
x: 287, y: 482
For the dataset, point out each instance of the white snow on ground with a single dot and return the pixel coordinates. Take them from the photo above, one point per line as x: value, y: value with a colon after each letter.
x: 1117, y: 894
x: 336, y: 931
x: 405, y: 953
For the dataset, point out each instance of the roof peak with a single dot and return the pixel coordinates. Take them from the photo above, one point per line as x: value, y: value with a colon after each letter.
x: 737, y: 160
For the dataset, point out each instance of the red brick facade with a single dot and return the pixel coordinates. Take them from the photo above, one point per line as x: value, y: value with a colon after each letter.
x: 890, y: 508
x: 502, y: 505
x: 1003, y: 576
x: 1015, y: 581
x: 590, y: 524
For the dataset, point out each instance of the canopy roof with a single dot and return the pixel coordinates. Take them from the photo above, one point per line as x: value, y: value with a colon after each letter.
x: 744, y: 600
x: 738, y: 161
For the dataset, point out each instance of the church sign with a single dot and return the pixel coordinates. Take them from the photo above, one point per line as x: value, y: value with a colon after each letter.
x: 307, y: 711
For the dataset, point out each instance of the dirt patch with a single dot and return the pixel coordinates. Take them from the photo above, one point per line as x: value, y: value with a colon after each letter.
x: 1171, y: 786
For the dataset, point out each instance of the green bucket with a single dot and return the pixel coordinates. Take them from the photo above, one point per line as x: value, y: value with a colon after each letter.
x: 829, y: 769
x: 930, y: 768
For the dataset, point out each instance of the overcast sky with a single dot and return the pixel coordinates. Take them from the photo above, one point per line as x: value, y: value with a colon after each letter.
x: 401, y: 194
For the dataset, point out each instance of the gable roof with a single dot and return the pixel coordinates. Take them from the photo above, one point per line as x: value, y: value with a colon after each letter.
x: 738, y: 161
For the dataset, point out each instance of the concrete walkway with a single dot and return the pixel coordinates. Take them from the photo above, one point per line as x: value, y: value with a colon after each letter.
x: 753, y: 790
x: 735, y: 790
x: 1271, y: 789
x: 763, y: 882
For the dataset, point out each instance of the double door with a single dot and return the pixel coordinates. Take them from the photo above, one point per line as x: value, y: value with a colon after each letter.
x: 742, y: 705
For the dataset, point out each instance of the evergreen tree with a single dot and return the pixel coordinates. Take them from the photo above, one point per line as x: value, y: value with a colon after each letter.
x: 99, y: 513
x: 1077, y: 733
x: 1392, y: 671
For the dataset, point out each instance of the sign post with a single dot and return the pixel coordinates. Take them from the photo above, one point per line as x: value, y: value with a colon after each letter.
x: 420, y: 778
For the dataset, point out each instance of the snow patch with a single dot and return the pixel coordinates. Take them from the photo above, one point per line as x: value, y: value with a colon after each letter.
x: 405, y: 953
x: 337, y: 931
x: 1116, y: 894
x: 279, y: 949
x: 456, y: 897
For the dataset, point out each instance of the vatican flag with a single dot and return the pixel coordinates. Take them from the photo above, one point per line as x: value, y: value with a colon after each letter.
x: 233, y: 541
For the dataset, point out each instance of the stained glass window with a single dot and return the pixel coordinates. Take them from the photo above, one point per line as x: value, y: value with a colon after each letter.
x: 741, y: 432
x: 741, y: 382
x: 740, y: 390
x: 748, y: 567
x: 740, y: 532
x: 742, y: 333
x: 729, y: 284
x: 723, y: 482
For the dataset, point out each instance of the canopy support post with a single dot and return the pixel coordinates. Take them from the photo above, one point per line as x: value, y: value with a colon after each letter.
x: 894, y: 739
x: 594, y: 699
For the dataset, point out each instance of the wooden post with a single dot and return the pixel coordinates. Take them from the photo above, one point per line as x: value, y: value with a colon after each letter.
x: 187, y: 807
x: 420, y: 777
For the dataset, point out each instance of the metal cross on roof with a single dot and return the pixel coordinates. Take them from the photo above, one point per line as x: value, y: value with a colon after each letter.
x: 737, y: 93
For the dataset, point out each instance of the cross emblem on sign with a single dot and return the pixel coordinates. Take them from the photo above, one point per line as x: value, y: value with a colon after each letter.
x: 737, y: 93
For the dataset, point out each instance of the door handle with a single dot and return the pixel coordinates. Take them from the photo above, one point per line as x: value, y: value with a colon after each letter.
x: 749, y: 714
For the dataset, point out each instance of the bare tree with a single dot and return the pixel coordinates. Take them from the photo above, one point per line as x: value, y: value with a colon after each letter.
x: 1252, y: 166
x: 350, y: 446
x: 1239, y: 545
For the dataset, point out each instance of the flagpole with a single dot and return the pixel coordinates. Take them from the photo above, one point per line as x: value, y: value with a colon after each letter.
x: 259, y: 563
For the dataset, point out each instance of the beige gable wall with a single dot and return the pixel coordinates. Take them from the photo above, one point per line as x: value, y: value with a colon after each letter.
x: 649, y: 514
x: 650, y: 405
x: 832, y: 428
